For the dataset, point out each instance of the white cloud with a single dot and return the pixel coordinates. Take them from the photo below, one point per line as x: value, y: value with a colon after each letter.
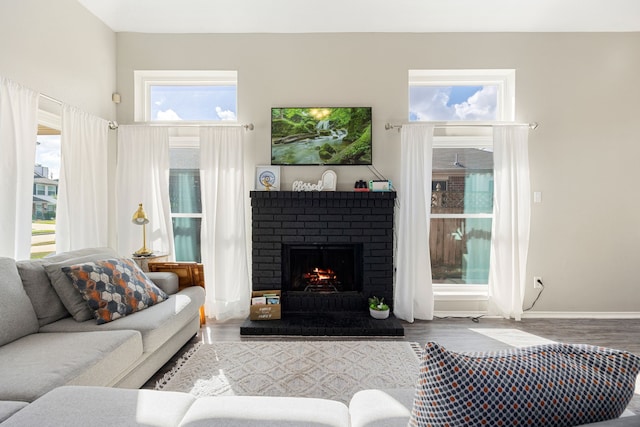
x: 431, y: 103
x: 480, y: 106
x: 225, y: 114
x: 168, y: 115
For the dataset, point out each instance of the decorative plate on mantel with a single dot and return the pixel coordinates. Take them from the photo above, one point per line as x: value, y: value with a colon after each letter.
x: 329, y: 180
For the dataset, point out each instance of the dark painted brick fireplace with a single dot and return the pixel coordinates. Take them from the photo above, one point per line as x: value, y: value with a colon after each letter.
x: 281, y: 219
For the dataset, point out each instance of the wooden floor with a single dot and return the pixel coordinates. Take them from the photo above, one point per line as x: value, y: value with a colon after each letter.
x: 456, y: 334
x: 464, y: 334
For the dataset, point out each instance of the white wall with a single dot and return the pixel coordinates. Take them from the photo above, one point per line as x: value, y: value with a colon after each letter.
x: 61, y: 50
x: 581, y: 88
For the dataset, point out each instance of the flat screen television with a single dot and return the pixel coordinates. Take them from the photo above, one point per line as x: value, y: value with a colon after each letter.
x: 321, y: 136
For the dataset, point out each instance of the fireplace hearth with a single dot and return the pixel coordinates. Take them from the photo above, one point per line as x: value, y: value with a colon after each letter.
x: 327, y: 252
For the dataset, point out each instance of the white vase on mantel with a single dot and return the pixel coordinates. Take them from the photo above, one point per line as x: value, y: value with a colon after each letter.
x: 379, y: 314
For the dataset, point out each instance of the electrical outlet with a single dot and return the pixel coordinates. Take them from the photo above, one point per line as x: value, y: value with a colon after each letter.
x: 537, y: 282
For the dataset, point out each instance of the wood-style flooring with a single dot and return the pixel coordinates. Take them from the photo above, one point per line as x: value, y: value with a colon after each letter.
x: 464, y: 334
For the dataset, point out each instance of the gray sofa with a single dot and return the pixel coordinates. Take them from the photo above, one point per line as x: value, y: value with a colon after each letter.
x: 46, y: 342
x: 58, y: 371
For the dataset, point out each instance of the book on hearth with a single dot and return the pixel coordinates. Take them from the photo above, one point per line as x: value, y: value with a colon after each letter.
x: 258, y: 300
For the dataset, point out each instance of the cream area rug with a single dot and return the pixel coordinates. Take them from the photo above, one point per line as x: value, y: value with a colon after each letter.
x: 324, y: 369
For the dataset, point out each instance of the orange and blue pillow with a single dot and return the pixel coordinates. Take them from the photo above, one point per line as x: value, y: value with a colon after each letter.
x: 550, y: 385
x: 114, y: 288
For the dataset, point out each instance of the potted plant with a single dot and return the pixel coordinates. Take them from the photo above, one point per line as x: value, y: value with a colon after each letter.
x: 377, y: 308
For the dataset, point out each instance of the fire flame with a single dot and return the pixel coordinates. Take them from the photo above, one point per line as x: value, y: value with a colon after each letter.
x: 318, y: 275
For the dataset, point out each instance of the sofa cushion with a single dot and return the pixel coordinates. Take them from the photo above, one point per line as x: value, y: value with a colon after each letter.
x: 17, y: 317
x: 114, y: 288
x: 74, y: 406
x: 552, y: 384
x: 37, y: 363
x: 69, y: 295
x: 45, y: 300
x: 157, y: 324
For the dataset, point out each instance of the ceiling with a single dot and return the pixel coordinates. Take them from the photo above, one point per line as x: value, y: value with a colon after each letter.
x: 354, y: 16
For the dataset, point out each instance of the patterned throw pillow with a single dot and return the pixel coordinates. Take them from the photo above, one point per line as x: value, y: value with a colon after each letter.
x: 550, y: 385
x: 114, y: 288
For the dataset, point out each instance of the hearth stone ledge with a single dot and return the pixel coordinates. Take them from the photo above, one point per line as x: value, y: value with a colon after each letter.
x: 356, y: 325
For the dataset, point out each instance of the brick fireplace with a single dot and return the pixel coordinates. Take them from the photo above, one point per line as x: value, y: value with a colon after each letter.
x: 350, y: 234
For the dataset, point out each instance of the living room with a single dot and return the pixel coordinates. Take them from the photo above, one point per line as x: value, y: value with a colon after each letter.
x: 579, y: 86
x: 555, y: 73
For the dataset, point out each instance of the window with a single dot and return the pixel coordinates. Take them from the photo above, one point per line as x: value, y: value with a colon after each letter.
x: 184, y: 197
x: 194, y: 96
x: 462, y: 175
x: 46, y: 172
x: 173, y: 98
x: 461, y: 95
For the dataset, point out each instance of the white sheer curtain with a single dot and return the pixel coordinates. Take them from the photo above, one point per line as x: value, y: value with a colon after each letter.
x: 223, y: 243
x: 18, y: 133
x: 511, y: 222
x: 81, y: 215
x: 413, y: 292
x: 142, y: 176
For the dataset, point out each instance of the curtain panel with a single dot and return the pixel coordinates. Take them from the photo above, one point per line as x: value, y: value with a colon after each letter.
x: 142, y: 176
x: 18, y: 134
x: 82, y: 212
x: 511, y: 221
x: 413, y: 291
x: 223, y: 242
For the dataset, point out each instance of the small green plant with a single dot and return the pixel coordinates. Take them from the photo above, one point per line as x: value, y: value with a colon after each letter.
x: 378, y: 304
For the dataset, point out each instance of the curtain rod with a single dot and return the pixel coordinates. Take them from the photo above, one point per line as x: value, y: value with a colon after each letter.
x: 113, y: 125
x: 248, y: 126
x: 532, y: 125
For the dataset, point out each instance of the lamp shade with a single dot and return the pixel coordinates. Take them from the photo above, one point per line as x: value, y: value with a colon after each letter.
x: 140, y: 216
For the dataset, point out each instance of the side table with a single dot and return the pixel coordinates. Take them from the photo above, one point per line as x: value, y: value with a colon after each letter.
x: 143, y: 261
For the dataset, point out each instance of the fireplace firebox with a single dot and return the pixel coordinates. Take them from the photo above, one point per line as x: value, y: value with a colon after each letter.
x: 321, y: 268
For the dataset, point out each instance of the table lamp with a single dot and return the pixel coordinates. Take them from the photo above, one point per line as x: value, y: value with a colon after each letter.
x: 140, y: 218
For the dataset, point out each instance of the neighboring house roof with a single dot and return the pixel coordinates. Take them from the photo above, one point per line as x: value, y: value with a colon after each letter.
x: 460, y: 160
x: 47, y: 181
x: 46, y: 199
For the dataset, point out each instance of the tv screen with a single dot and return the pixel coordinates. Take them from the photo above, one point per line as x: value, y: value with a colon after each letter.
x: 321, y: 136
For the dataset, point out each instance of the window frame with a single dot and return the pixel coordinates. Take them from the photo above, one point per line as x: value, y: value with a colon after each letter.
x: 144, y: 79
x: 465, y: 136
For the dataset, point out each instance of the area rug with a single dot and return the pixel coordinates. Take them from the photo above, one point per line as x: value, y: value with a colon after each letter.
x: 324, y: 369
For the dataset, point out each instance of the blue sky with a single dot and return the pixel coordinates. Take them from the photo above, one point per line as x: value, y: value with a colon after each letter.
x: 193, y: 103
x: 446, y: 103
x: 48, y: 154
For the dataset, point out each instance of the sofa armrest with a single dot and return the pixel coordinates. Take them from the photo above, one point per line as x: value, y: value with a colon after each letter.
x: 166, y: 281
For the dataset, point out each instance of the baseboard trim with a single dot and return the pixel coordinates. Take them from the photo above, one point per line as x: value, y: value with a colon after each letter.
x: 581, y: 315
x: 544, y: 314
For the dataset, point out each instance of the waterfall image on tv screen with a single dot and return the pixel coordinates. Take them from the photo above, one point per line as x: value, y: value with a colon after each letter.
x: 321, y: 136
